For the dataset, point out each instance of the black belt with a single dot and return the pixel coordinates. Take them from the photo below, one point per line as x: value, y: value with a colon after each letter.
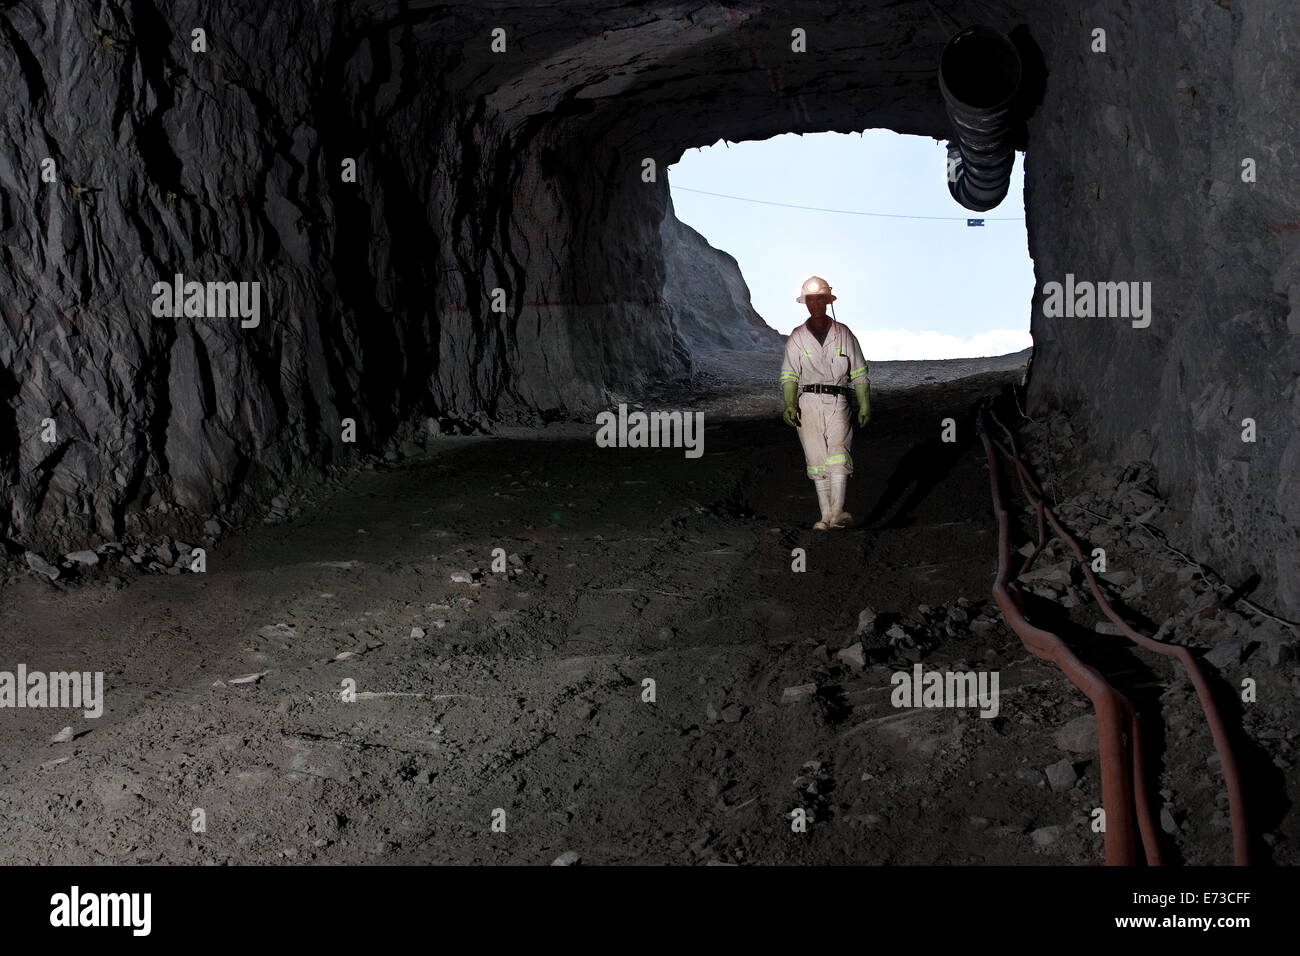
x: 828, y: 390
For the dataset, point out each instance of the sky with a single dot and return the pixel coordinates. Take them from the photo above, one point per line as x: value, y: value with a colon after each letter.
x: 908, y: 288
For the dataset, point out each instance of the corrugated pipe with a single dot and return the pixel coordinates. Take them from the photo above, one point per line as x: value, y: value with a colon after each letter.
x: 979, y: 74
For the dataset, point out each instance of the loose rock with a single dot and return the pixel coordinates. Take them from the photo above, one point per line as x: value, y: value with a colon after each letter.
x: 1224, y: 654
x: 866, y: 621
x: 854, y: 655
x: 1079, y: 735
x: 795, y: 694
x: 1061, y: 775
x: 1046, y: 836
x: 41, y: 566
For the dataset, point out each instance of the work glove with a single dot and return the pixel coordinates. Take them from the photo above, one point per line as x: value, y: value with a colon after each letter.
x: 791, y: 414
x: 864, y: 402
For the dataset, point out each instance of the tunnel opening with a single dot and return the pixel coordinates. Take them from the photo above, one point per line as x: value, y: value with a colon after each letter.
x: 497, y: 254
x: 870, y: 213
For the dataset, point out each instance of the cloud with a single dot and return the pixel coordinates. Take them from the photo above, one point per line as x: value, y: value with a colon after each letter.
x: 882, y: 345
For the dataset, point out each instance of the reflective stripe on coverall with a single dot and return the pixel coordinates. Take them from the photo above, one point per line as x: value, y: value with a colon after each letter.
x: 826, y: 424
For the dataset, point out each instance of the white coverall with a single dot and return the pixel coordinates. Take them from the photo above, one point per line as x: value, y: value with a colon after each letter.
x: 825, y: 421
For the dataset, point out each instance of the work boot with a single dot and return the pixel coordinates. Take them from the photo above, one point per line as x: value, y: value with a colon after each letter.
x: 839, y: 487
x: 824, y: 499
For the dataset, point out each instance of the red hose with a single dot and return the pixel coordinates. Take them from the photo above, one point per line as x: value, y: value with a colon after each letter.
x: 1123, y: 784
x: 1218, y: 730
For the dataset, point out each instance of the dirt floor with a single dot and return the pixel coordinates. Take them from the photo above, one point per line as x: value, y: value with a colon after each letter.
x: 506, y: 716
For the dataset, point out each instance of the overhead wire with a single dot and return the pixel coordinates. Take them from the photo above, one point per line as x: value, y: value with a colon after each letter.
x: 850, y: 212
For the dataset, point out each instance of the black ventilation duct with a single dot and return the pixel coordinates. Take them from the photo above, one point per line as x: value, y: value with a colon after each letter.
x: 979, y: 74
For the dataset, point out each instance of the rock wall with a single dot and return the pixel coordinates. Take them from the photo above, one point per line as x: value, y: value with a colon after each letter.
x: 524, y: 169
x: 707, y: 296
x: 1135, y: 173
x: 129, y: 156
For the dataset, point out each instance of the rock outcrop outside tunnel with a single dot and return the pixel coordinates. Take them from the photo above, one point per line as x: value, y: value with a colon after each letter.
x: 522, y: 171
x: 707, y: 295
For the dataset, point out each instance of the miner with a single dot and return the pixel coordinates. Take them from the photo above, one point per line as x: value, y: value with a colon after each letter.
x: 823, y: 368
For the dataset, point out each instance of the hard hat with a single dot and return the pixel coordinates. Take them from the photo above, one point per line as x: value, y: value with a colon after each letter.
x: 816, y: 286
